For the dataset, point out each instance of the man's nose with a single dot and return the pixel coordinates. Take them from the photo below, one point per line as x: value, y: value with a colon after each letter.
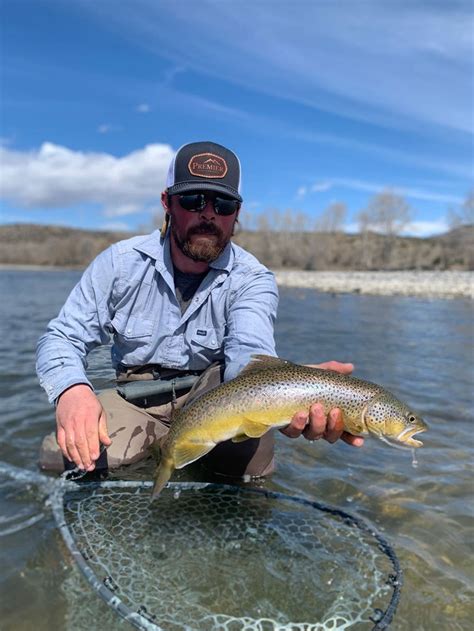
x: 208, y: 211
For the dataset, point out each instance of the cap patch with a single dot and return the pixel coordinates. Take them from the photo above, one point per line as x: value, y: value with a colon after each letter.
x: 207, y: 165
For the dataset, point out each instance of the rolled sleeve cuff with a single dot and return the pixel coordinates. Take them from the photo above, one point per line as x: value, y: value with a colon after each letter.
x: 233, y: 368
x: 55, y: 390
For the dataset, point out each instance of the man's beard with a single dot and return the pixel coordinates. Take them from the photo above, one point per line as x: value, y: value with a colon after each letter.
x: 205, y: 249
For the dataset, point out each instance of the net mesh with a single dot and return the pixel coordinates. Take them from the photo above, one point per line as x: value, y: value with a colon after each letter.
x: 208, y: 556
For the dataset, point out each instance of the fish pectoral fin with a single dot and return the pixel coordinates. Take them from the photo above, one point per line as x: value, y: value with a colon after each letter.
x: 253, y: 429
x: 188, y: 452
x: 240, y: 438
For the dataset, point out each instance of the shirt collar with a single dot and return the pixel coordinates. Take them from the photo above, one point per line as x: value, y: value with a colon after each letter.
x: 225, y: 259
x: 160, y: 251
x: 153, y: 247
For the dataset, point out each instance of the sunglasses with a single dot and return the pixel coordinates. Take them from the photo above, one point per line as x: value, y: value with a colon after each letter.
x: 198, y: 201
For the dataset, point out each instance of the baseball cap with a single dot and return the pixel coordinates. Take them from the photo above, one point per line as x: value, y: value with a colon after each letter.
x: 204, y: 166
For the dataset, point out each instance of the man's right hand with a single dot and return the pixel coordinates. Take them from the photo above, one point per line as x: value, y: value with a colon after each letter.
x: 81, y: 426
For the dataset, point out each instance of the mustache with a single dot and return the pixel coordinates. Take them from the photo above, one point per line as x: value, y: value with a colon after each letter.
x: 205, y: 228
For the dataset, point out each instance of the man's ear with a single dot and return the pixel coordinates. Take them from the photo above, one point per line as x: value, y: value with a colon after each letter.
x: 165, y: 201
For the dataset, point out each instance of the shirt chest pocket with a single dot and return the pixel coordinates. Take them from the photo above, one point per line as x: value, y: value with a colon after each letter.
x: 132, y: 327
x: 208, y: 338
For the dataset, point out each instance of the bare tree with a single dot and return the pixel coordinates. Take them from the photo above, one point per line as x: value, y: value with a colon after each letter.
x: 388, y: 213
x: 263, y: 223
x: 468, y: 208
x: 247, y: 219
x: 285, y: 221
x: 363, y: 222
x: 332, y: 219
x: 464, y: 214
x: 301, y: 221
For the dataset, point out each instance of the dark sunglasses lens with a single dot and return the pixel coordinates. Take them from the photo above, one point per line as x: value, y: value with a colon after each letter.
x: 198, y: 201
x: 191, y: 202
x: 226, y: 206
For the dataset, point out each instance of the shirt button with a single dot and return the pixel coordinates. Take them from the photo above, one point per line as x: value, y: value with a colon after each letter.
x: 129, y: 330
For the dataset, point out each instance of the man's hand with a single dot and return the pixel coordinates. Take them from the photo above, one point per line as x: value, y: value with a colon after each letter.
x: 81, y: 426
x: 314, y: 424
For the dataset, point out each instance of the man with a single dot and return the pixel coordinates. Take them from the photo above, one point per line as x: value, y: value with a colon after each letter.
x: 186, y: 301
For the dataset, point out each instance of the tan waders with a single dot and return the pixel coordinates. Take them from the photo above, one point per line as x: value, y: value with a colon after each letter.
x: 133, y: 430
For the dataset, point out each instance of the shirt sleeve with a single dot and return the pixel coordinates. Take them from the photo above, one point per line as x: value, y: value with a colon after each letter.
x: 82, y: 324
x: 250, y: 322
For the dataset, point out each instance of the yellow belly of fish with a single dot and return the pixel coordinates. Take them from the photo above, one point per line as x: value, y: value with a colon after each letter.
x: 197, y: 441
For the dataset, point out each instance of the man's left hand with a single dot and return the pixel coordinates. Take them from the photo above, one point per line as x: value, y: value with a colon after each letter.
x: 315, y: 424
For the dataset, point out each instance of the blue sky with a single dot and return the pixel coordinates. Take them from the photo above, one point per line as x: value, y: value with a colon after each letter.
x: 323, y: 101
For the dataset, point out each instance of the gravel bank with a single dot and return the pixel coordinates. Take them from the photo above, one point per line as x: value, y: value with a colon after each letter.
x: 438, y: 284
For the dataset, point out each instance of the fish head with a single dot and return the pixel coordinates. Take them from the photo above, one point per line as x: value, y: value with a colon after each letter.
x: 393, y: 422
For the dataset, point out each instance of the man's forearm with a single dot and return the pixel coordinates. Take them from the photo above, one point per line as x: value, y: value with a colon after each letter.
x: 59, y: 366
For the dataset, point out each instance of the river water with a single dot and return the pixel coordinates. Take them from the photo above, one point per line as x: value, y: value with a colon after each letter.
x: 419, y: 349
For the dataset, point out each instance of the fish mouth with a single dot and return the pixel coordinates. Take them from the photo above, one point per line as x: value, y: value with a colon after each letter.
x: 406, y: 437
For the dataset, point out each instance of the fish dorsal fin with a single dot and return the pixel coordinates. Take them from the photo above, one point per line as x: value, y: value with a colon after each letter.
x: 264, y: 362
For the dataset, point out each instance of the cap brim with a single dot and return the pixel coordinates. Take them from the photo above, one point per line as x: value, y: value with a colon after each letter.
x: 183, y: 187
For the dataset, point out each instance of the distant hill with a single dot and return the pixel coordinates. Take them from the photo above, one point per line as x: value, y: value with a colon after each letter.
x: 29, y: 244
x: 367, y: 251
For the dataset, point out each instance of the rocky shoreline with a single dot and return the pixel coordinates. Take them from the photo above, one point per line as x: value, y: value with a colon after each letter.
x: 427, y: 284
x: 424, y: 284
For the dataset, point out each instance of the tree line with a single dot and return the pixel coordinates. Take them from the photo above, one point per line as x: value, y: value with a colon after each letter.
x: 386, y: 213
x: 283, y: 240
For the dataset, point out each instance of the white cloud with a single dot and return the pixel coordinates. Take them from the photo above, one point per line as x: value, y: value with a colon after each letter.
x: 56, y: 177
x: 376, y: 63
x: 121, y: 210
x: 252, y: 205
x: 321, y: 187
x: 302, y: 192
x: 426, y: 228
x: 104, y: 129
x: 462, y: 169
x: 318, y: 187
x: 414, y: 229
x: 5, y: 141
x: 143, y: 108
x: 377, y: 187
x: 119, y: 226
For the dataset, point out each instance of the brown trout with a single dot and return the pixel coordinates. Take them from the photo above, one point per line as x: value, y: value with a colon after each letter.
x: 265, y: 395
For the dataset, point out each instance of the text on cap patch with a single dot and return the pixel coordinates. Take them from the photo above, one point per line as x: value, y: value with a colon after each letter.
x: 207, y: 165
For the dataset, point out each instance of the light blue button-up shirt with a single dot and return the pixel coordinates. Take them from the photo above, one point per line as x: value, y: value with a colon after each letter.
x: 128, y: 293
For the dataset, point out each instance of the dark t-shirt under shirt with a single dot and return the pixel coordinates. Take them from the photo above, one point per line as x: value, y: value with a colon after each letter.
x: 186, y: 286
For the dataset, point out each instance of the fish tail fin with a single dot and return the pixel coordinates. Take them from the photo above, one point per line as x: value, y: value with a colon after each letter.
x: 163, y: 474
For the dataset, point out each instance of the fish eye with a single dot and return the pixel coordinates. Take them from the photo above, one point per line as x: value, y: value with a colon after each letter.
x: 412, y: 418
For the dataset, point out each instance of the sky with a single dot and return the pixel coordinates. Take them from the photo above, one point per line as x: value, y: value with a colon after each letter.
x: 322, y: 101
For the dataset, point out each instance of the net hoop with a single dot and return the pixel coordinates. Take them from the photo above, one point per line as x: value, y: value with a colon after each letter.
x: 103, y: 586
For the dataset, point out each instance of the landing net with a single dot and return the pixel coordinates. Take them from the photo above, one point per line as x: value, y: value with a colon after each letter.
x: 228, y: 558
